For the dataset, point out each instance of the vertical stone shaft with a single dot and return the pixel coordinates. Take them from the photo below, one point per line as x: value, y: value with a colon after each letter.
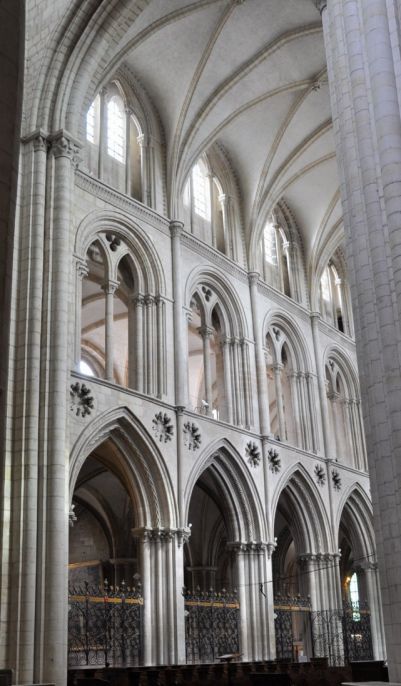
x: 54, y: 645
x: 366, y: 122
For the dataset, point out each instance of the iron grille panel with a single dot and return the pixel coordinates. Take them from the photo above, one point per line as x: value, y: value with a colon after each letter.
x: 211, y: 625
x: 105, y: 626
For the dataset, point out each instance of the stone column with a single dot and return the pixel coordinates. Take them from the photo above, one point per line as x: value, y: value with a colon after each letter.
x: 149, y: 343
x: 161, y: 553
x: 109, y: 288
x: 102, y: 132
x: 206, y: 333
x: 261, y: 379
x: 226, y: 348
x: 81, y: 274
x: 254, y: 573
x: 54, y: 600
x: 128, y: 113
x: 224, y: 201
x: 20, y: 476
x: 324, y: 417
x: 311, y: 411
x: 288, y: 249
x: 277, y: 368
x: 180, y: 332
x: 147, y: 154
x: 369, y: 571
x: 362, y: 71
x: 296, y: 418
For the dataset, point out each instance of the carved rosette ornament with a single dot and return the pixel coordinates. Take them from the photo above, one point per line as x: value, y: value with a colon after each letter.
x: 192, y: 436
x: 336, y: 478
x: 274, y: 461
x: 320, y: 475
x: 253, y: 454
x: 163, y: 427
x: 81, y: 401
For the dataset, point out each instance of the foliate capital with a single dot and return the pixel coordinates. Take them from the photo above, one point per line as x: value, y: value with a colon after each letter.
x: 64, y: 145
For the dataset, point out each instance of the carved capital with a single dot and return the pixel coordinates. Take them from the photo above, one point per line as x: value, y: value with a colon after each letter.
x: 82, y: 269
x: 110, y: 287
x: 205, y: 331
x: 40, y: 143
x: 176, y: 228
x: 64, y: 145
x: 253, y: 278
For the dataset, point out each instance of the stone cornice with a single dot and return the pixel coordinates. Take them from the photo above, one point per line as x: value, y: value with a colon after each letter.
x: 98, y: 189
x: 336, y: 336
x: 198, y: 246
x: 284, y: 301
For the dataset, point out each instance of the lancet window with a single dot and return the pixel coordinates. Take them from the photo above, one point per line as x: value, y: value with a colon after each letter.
x: 335, y: 302
x: 279, y: 258
x: 120, y: 323
x: 113, y: 138
x: 218, y: 362
x: 291, y: 392
x: 208, y: 207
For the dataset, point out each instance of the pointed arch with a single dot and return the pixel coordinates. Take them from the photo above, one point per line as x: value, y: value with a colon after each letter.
x: 293, y: 336
x: 229, y: 301
x: 237, y: 487
x: 137, y: 460
x: 148, y: 264
x: 312, y: 530
x: 355, y: 510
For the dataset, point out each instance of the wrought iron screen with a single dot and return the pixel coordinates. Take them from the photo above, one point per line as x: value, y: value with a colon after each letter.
x: 292, y: 626
x: 211, y: 625
x: 357, y: 632
x: 342, y: 635
x: 105, y: 626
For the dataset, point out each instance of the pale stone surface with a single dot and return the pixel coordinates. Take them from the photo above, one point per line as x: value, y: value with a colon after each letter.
x: 192, y: 315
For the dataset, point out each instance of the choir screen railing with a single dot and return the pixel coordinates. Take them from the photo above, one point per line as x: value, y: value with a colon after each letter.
x: 341, y: 635
x: 211, y: 625
x: 105, y: 626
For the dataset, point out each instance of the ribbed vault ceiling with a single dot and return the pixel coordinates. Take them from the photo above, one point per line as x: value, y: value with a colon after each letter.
x: 250, y: 76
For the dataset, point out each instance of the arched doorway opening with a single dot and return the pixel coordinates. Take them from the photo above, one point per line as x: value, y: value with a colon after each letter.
x: 363, y: 622
x: 105, y: 612
x: 305, y: 573
x: 126, y: 516
x: 226, y: 561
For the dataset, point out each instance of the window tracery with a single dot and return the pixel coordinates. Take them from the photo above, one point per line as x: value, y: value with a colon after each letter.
x: 218, y: 362
x: 344, y: 417
x: 290, y: 391
x: 121, y: 328
x: 279, y: 257
x: 113, y: 135
x: 335, y: 301
x: 209, y: 204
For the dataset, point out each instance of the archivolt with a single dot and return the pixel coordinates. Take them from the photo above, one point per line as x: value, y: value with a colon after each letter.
x: 138, y: 462
x: 355, y: 511
x: 293, y: 337
x: 227, y: 297
x: 238, y: 489
x: 311, y: 528
x: 147, y: 262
